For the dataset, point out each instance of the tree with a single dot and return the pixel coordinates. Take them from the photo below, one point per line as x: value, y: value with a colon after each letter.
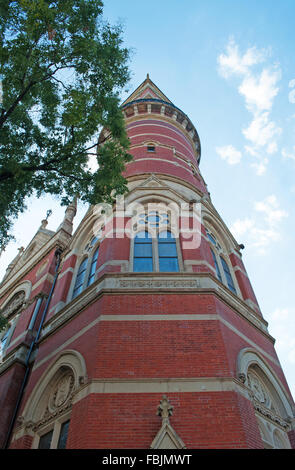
x: 62, y: 69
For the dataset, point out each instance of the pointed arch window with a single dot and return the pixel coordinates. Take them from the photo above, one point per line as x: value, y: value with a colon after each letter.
x: 221, y: 267
x: 87, y: 269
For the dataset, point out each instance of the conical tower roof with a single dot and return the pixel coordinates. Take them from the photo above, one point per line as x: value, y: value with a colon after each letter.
x: 147, y: 90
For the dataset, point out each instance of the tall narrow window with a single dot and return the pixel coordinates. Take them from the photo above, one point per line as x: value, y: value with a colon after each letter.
x: 45, y: 440
x: 167, y: 251
x: 62, y: 441
x: 3, y: 341
x: 143, y: 252
x: 80, y: 278
x: 91, y: 274
x: 227, y: 273
x: 216, y: 266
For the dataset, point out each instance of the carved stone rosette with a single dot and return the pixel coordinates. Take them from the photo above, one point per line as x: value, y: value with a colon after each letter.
x: 60, y: 399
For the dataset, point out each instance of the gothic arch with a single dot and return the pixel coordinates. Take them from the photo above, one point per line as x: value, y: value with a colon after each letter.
x: 270, y: 400
x: 220, y: 247
x: 86, y: 231
x: 250, y: 359
x: 69, y: 363
x: 218, y: 230
x: 25, y: 287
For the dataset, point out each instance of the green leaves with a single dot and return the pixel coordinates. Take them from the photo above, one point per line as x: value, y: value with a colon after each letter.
x: 62, y: 70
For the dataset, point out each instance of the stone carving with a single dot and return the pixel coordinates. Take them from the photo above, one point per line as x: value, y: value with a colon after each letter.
x: 150, y: 283
x: 61, y: 391
x: 166, y: 437
x: 60, y: 399
x: 165, y: 409
x: 14, y: 304
x: 259, y: 393
x: 242, y: 377
x: 262, y: 401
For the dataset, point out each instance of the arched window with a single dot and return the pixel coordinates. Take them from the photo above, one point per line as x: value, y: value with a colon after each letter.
x: 55, y: 411
x: 167, y: 252
x: 155, y: 247
x: 221, y: 267
x: 227, y: 273
x: 143, y: 252
x: 86, y: 272
x: 272, y: 405
x: 11, y: 311
x: 80, y: 278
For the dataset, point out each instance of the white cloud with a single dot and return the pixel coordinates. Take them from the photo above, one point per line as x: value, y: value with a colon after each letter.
x: 230, y: 154
x: 233, y: 63
x: 259, y: 90
x: 240, y: 227
x: 262, y: 132
x: 260, y: 167
x: 263, y: 228
x: 271, y: 210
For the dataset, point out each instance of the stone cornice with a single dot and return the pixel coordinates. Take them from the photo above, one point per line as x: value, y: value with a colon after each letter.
x: 177, y: 117
x: 18, y: 356
x: 133, y: 283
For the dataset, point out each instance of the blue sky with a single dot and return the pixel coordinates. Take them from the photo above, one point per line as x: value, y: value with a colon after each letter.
x: 230, y: 66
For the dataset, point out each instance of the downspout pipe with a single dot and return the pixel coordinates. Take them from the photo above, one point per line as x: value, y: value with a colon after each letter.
x: 58, y: 253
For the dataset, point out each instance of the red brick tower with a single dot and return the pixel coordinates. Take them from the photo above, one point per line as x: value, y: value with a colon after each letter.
x: 141, y: 329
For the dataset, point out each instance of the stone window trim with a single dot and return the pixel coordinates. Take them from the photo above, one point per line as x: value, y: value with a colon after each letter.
x: 7, y: 309
x: 11, y: 310
x: 46, y: 408
x: 273, y: 409
x: 219, y: 253
x: 89, y: 256
x: 248, y: 358
x: 54, y: 426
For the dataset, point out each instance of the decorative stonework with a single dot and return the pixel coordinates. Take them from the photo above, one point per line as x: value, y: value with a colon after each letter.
x: 272, y: 416
x: 165, y: 409
x: 258, y: 391
x: 262, y: 401
x: 14, y: 304
x: 61, y: 392
x: 166, y: 437
x: 151, y: 284
x: 60, y: 399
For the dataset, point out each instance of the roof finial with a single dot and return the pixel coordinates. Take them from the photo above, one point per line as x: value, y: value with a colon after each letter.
x: 165, y: 409
x: 147, y: 76
x: 44, y: 222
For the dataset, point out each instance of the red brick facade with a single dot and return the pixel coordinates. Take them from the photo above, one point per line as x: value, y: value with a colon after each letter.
x: 104, y: 359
